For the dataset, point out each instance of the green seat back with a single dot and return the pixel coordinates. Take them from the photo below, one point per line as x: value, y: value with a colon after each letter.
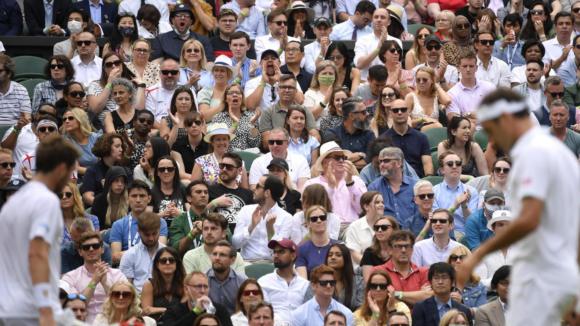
x: 413, y: 28
x: 29, y: 67
x: 480, y: 138
x: 435, y: 160
x: 434, y: 179
x: 258, y: 270
x: 3, y: 129
x: 248, y: 158
x: 435, y: 136
x: 30, y: 84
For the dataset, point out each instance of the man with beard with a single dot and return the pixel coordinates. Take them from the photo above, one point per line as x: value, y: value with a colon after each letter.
x: 395, y: 187
x: 30, y: 239
x: 224, y: 282
x: 186, y: 229
x: 137, y: 261
x: 214, y: 228
x: 226, y: 196
x: 168, y: 45
x: 354, y: 133
x: 265, y: 220
x: 283, y: 288
x: 437, y: 248
x: 413, y: 143
x: 532, y: 89
x: 158, y: 97
x: 476, y: 230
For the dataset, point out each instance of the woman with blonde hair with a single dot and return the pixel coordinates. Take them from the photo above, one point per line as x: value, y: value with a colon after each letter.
x: 78, y: 130
x: 417, y: 54
x: 194, y: 69
x: 381, y: 120
x: 474, y: 292
x: 425, y: 101
x: 324, y: 81
x: 454, y: 317
x: 211, y: 98
x: 443, y: 24
x: 71, y: 204
x: 122, y: 306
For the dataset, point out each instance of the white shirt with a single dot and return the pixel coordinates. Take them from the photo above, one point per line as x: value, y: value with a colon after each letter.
x: 364, y: 46
x: 285, y: 297
x: 24, y: 153
x: 32, y: 212
x: 519, y: 75
x: 451, y: 74
x: 535, y: 99
x: 554, y: 50
x: 158, y: 100
x: 359, y: 235
x: 163, y: 27
x: 137, y: 263
x: 545, y: 169
x: 311, y: 53
x: 343, y: 31
x: 86, y: 73
x: 254, y: 246
x: 268, y: 42
x: 267, y: 101
x: 133, y: 6
x: 298, y: 167
x: 426, y: 252
x: 497, y: 72
x: 490, y: 264
x: 299, y: 231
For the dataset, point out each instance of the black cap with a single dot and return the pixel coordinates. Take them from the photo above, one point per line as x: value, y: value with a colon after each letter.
x: 14, y: 185
x: 181, y: 8
x: 322, y: 20
x: 269, y: 51
x: 278, y: 162
x: 432, y: 38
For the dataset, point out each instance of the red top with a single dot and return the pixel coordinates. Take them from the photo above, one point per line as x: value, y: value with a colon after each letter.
x: 449, y: 4
x: 413, y: 282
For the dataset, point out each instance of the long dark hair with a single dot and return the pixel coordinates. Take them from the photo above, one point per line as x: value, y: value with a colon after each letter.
x: 179, y: 90
x: 453, y: 126
x: 342, y: 49
x: 176, y: 182
x: 116, y: 37
x: 125, y: 72
x: 528, y: 31
x: 69, y: 70
x: 241, y: 289
x: 297, y: 108
x: 157, y: 281
x: 346, y: 274
x: 160, y: 148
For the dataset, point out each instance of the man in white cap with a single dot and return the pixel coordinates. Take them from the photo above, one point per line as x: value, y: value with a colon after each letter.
x: 492, y: 262
x: 544, y: 183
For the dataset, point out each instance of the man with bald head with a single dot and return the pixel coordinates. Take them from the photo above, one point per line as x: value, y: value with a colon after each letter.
x: 87, y: 64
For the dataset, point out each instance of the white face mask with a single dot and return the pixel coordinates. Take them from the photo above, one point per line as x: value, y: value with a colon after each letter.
x: 74, y: 26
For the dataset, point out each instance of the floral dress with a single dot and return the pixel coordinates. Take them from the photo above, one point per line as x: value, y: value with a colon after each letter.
x: 210, y: 168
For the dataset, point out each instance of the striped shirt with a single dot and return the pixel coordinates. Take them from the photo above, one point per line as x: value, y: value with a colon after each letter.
x: 16, y: 100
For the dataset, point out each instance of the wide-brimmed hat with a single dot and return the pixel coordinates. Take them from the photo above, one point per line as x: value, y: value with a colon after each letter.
x: 299, y: 5
x: 326, y: 149
x: 225, y: 62
x: 217, y: 129
x: 501, y: 215
x: 395, y: 12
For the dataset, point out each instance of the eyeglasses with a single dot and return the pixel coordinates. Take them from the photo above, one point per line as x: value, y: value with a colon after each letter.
x: 57, y: 66
x: 501, y: 170
x: 382, y: 227
x: 121, y: 294
x: 453, y: 163
x: 338, y: 157
x: 199, y: 286
x: 166, y: 169
x: 167, y: 260
x: 234, y: 93
x: 557, y: 95
x: 8, y: 165
x: 141, y: 50
x: 439, y: 220
x: 536, y: 12
x: 378, y: 286
x: 65, y: 195
x: 462, y: 26
x: 190, y: 50
x: 226, y: 166
x: 388, y: 95
x: 486, y: 42
x: 43, y: 130
x: 456, y: 257
x: 433, y: 46
x: 146, y: 121
x: 77, y: 94
x: 399, y: 110
x: 316, y: 218
x: 422, y: 80
x: 327, y: 283
x: 292, y: 50
x: 254, y: 293
x: 387, y: 160
x: 115, y: 63
x: 426, y: 196
x: 280, y: 22
x: 278, y: 142
x: 335, y: 57
x: 402, y: 246
x: 170, y: 72
x: 91, y: 246
x: 395, y: 50
x: 85, y: 43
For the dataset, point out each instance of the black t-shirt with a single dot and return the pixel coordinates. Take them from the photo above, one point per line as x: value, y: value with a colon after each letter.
x: 369, y: 258
x: 188, y: 155
x: 161, y: 201
x: 240, y: 197
x: 291, y: 202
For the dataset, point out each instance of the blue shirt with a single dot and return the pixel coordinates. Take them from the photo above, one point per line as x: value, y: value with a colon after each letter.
x: 356, y: 143
x: 343, y: 31
x: 369, y: 174
x: 309, y: 314
x: 120, y: 232
x: 254, y: 25
x: 445, y: 197
x: 414, y: 145
x: 567, y: 71
x: 476, y: 230
x: 399, y: 205
x: 205, y: 78
x: 443, y: 307
x: 302, y: 148
x: 474, y: 295
x: 96, y: 11
x: 511, y: 54
x: 310, y: 256
x: 244, y: 70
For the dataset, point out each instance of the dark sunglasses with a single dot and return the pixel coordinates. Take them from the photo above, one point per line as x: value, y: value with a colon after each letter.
x: 426, y: 196
x: 316, y: 218
x: 382, y: 227
x: 456, y: 257
x: 85, y: 43
x: 6, y: 165
x: 388, y: 95
x: 45, y: 129
x: 71, y: 118
x: 77, y: 94
x: 395, y: 50
x: 278, y: 142
x: 536, y: 12
x: 65, y: 195
x: 121, y: 294
x: 170, y: 72
x: 577, y: 46
x: 422, y: 36
x: 338, y: 157
x: 74, y: 296
x: 576, y: 10
x: 433, y: 46
x: 57, y: 66
x: 91, y: 246
x: 167, y: 261
x: 422, y: 80
x: 192, y: 51
x: 195, y: 122
x: 557, y: 95
x: 248, y: 293
x: 399, y: 110
x: 453, y: 163
x: 387, y: 160
x: 227, y: 166
x: 378, y: 286
x: 486, y: 42
x: 462, y: 26
x: 501, y: 170
x: 281, y: 22
x: 147, y: 121
x: 335, y: 57
x: 168, y: 169
x: 327, y: 283
x: 115, y: 63
x: 439, y: 220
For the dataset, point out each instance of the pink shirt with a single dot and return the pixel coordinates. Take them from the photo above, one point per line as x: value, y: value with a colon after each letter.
x: 345, y: 200
x: 465, y: 100
x: 77, y: 281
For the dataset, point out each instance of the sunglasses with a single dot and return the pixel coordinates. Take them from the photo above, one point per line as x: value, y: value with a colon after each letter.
x: 70, y: 118
x: 557, y: 95
x: 74, y: 296
x: 167, y: 169
x: 77, y: 94
x: 115, y: 63
x: 387, y: 160
x: 422, y: 36
x: 501, y: 170
x: 536, y: 12
x: 6, y: 165
x: 226, y: 166
x: 382, y: 227
x: 378, y: 286
x: 85, y: 43
x: 434, y: 46
x: 453, y: 163
x: 281, y: 22
x: 422, y: 80
x: 395, y: 50
x: 399, y: 110
x: 316, y: 218
x: 278, y: 142
x: 170, y: 72
x: 456, y: 257
x: 338, y: 157
x: 439, y: 220
x: 57, y: 66
x: 45, y: 129
x: 167, y: 261
x: 147, y: 121
x: 141, y: 50
x: 327, y: 283
x: 192, y: 51
x: 462, y: 26
x: 254, y: 293
x: 577, y: 46
x: 65, y: 195
x: 335, y: 57
x: 91, y: 246
x: 388, y: 95
x: 121, y: 294
x: 576, y: 10
x: 486, y: 42
x: 426, y: 196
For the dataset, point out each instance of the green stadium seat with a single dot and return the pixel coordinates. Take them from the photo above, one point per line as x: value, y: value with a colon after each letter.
x: 435, y: 160
x: 258, y: 270
x: 435, y: 136
x: 413, y: 28
x: 434, y: 179
x: 3, y: 129
x: 248, y: 158
x: 30, y: 84
x: 480, y: 138
x: 29, y: 67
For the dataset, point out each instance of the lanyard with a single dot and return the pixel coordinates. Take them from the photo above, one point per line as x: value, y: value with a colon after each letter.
x: 189, y: 221
x: 132, y: 242
x: 511, y: 57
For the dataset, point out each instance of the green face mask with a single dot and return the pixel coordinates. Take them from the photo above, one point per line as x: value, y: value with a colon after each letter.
x: 326, y: 80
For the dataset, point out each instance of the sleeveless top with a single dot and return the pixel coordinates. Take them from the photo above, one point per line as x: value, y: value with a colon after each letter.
x: 418, y: 111
x: 120, y: 125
